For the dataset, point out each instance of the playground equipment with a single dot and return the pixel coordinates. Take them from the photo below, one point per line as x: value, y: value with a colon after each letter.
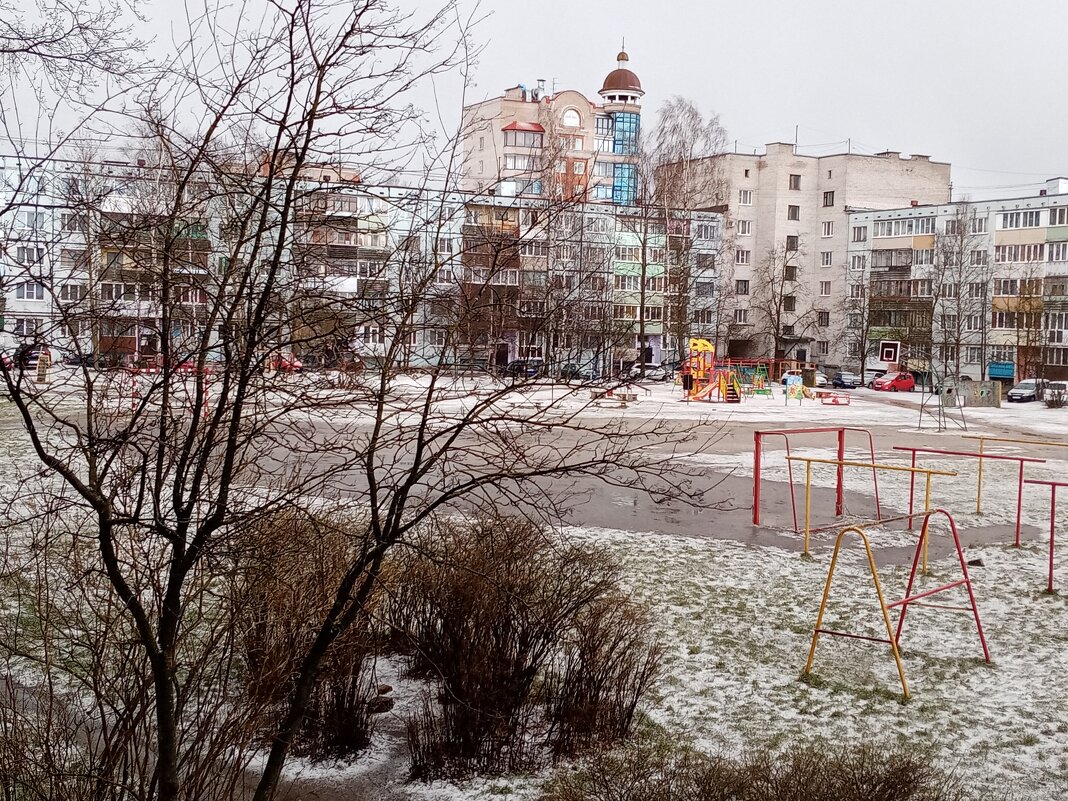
x: 1023, y: 461
x: 711, y: 383
x: 1053, y: 485
x: 893, y: 637
x: 809, y: 461
x: 786, y: 433
x: 1008, y: 440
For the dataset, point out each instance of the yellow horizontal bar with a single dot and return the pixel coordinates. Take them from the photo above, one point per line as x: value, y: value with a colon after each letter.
x: 876, y: 466
x: 1017, y: 441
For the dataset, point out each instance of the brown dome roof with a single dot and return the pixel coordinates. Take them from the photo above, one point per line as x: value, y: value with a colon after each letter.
x: 621, y: 80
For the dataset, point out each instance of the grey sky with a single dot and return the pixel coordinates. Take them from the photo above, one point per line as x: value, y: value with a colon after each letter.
x: 977, y: 83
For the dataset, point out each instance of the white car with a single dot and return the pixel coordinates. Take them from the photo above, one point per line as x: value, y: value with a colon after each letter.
x: 653, y: 372
x: 821, y: 379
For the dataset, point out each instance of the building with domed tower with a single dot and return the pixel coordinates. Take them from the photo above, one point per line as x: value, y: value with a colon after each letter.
x: 536, y: 143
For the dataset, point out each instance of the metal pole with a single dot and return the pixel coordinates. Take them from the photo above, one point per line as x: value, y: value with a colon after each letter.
x: 756, y: 478
x: 808, y: 500
x: 1019, y: 504
x: 912, y: 488
x: 1052, y: 526
x: 979, y: 489
x: 839, y: 498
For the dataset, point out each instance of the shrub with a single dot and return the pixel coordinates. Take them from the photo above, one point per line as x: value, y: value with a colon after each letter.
x: 657, y: 771
x: 504, y: 618
x: 1055, y: 399
x: 283, y: 589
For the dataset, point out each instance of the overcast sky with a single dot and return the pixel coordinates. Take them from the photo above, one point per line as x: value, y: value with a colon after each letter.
x: 978, y: 83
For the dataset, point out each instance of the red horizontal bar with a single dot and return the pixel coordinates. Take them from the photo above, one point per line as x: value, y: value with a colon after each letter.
x: 1047, y: 483
x: 804, y: 430
x: 944, y: 606
x: 965, y: 453
x: 852, y: 636
x: 912, y: 598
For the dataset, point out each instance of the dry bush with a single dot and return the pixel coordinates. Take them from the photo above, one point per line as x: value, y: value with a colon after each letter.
x: 292, y: 561
x: 1055, y: 399
x: 606, y: 667
x: 658, y: 771
x: 502, y: 614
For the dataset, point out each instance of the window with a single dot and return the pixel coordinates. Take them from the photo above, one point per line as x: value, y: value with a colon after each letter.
x: 795, y: 181
x: 1001, y: 319
x: 978, y: 225
x: 951, y: 290
x: 747, y: 173
x: 744, y: 227
x: 578, y: 168
x: 828, y: 199
x: 482, y: 141
x: 1002, y: 353
x: 745, y: 197
x: 26, y: 326
x: 853, y: 349
x: 826, y: 258
x: 787, y: 330
x: 627, y: 283
x: 793, y: 212
x: 827, y: 229
x: 705, y: 231
x: 29, y: 255
x: 741, y: 287
x: 823, y: 347
x: 704, y: 289
x: 860, y: 233
x: 974, y: 354
x: 792, y: 242
x: 856, y: 291
x: 922, y: 288
x: 854, y: 320
x: 858, y: 262
x: 790, y: 272
x: 72, y: 291
x: 571, y: 118
x: 789, y: 303
x: 1058, y: 216
x: 561, y: 167
x: 29, y: 290
x: 516, y: 161
x: 444, y: 246
x: 923, y: 257
x: 1019, y: 253
x: 976, y: 289
x: 907, y: 227
x: 1021, y: 219
x: 980, y: 258
x: 654, y: 313
x: 628, y: 253
x: 519, y: 139
x: 952, y: 227
x: 625, y: 312
x: 654, y: 283
x: 1058, y: 251
x: 741, y: 316
x: 741, y: 256
x: 444, y: 275
x: 825, y: 289
x: 949, y: 322
x: 704, y: 316
x: 823, y: 319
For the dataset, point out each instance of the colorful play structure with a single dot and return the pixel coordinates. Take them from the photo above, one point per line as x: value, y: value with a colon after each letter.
x: 722, y: 381
x: 860, y: 527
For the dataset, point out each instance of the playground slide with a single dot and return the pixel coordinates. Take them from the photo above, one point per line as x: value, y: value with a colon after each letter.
x: 704, y: 391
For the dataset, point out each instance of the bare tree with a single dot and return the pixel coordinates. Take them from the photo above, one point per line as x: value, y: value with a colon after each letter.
x: 149, y: 483
x: 784, y: 319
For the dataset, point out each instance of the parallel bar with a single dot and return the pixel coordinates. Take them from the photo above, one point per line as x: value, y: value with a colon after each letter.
x: 939, y: 451
x: 897, y: 467
x: 942, y: 606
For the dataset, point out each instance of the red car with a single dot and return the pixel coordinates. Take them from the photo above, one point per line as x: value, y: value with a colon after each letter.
x: 895, y: 382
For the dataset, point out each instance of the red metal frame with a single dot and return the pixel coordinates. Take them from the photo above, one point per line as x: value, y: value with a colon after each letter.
x: 1052, y: 519
x: 938, y: 451
x: 965, y: 582
x: 839, y: 497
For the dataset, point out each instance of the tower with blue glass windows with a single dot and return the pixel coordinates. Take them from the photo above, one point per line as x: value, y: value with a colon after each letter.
x: 620, y: 121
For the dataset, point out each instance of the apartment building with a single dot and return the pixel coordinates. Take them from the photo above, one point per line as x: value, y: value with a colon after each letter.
x: 976, y: 288
x: 535, y: 143
x: 787, y: 240
x: 454, y: 276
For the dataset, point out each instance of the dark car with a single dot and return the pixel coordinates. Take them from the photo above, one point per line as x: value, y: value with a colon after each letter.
x: 96, y: 360
x: 29, y: 355
x: 573, y: 372
x: 1030, y: 389
x: 844, y: 380
x: 524, y: 368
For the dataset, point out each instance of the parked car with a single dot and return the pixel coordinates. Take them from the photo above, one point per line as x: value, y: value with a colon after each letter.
x: 96, y: 360
x: 573, y: 372
x: 653, y: 372
x: 821, y: 379
x: 1030, y: 389
x: 895, y: 382
x: 873, y: 376
x: 285, y: 363
x: 524, y: 368
x: 29, y: 355
x: 844, y: 380
x: 1056, y: 389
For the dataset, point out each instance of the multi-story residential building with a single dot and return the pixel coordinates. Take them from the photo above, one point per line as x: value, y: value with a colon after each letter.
x: 532, y: 142
x: 977, y: 288
x: 454, y: 276
x: 787, y: 239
